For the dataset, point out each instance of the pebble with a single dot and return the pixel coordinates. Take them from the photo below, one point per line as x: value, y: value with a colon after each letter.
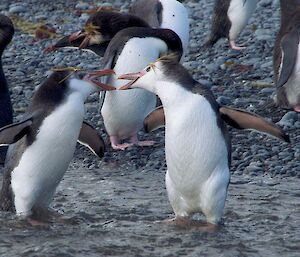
x: 17, y: 9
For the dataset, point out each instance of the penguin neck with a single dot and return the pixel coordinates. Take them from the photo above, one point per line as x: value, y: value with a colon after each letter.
x: 83, y: 87
x: 171, y: 93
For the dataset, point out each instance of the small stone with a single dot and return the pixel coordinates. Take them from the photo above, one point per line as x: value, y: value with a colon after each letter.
x: 288, y: 119
x: 17, y: 9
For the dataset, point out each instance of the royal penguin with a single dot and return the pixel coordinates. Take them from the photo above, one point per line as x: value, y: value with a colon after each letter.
x: 286, y: 58
x: 130, y: 50
x: 166, y: 14
x: 99, y: 29
x: 43, y: 143
x: 197, y: 143
x: 6, y: 110
x: 229, y: 19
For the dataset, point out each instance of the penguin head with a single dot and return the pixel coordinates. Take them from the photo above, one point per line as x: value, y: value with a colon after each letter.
x: 6, y: 31
x: 165, y: 69
x: 87, y: 84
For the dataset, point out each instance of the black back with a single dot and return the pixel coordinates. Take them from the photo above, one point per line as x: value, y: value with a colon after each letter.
x: 220, y: 22
x: 117, y: 44
x: 149, y: 10
x: 6, y: 111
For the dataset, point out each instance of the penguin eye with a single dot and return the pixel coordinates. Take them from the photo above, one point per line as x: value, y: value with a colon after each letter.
x: 148, y: 69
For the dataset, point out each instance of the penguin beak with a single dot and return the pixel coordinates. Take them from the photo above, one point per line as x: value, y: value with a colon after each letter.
x: 100, y: 73
x: 133, y: 77
x: 76, y: 35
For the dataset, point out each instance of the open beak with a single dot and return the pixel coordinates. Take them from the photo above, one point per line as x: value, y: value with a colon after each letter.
x: 76, y: 35
x: 100, y: 73
x: 133, y: 77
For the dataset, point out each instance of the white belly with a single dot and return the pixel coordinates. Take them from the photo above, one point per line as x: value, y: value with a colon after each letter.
x: 195, y: 146
x: 124, y: 111
x: 292, y: 87
x: 239, y: 13
x: 175, y: 17
x: 44, y: 163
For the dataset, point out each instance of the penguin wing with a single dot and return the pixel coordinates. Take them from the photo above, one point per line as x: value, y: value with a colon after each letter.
x: 241, y: 119
x: 155, y: 120
x: 12, y: 133
x: 90, y: 138
x: 289, y: 47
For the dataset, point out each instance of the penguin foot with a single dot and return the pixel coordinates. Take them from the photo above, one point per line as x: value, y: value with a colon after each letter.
x: 187, y: 223
x: 146, y: 143
x: 37, y: 223
x: 235, y: 47
x: 121, y: 146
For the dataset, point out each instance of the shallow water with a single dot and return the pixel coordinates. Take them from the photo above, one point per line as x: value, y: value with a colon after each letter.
x: 116, y: 211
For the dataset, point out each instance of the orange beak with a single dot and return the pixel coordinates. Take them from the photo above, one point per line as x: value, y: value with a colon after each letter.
x: 100, y: 73
x: 133, y: 77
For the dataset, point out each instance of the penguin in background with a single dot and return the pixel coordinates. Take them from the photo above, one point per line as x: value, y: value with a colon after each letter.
x: 130, y: 50
x: 97, y: 32
x: 6, y: 110
x: 286, y: 57
x: 42, y: 145
x: 229, y: 19
x: 166, y: 14
x: 197, y: 143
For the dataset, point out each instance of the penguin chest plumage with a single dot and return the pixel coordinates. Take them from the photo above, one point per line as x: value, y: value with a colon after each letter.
x: 239, y: 13
x: 175, y: 17
x: 44, y: 162
x: 196, y: 151
x: 124, y: 111
x: 291, y: 87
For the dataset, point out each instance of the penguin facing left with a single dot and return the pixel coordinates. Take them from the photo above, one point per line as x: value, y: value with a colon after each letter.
x: 197, y: 143
x: 43, y: 143
x: 6, y: 111
x: 97, y: 32
x: 229, y: 19
x: 129, y: 51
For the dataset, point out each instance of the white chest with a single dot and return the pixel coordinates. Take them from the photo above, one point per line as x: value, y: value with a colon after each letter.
x: 292, y: 87
x: 44, y: 163
x: 175, y: 17
x: 239, y: 13
x: 124, y: 111
x: 195, y: 145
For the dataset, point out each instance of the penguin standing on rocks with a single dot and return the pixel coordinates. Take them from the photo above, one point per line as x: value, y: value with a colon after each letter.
x: 6, y: 111
x: 43, y: 143
x: 99, y: 29
x: 229, y: 19
x: 286, y: 58
x: 166, y: 14
x: 197, y: 143
x: 130, y: 50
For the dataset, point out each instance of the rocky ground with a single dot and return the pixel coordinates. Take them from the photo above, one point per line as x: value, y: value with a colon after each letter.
x: 239, y: 79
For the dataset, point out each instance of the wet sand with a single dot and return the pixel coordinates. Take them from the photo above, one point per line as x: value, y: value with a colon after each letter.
x: 116, y: 210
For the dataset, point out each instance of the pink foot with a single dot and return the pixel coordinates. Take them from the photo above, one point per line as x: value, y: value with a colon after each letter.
x: 235, y: 47
x: 116, y: 145
x: 134, y: 140
x: 121, y: 146
x: 146, y: 143
x: 186, y: 223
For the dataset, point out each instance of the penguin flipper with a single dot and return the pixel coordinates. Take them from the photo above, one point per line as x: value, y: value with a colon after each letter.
x: 90, y: 138
x: 241, y: 119
x: 12, y: 133
x: 155, y: 120
x: 289, y: 45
